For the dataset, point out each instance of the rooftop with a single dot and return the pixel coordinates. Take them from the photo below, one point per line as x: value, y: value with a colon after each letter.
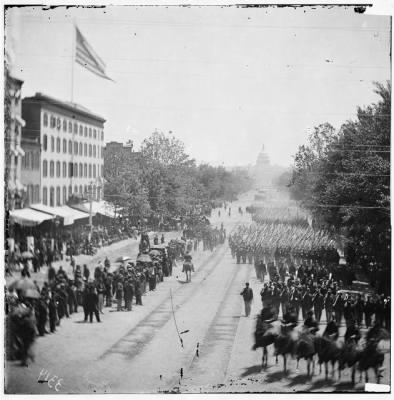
x: 74, y: 107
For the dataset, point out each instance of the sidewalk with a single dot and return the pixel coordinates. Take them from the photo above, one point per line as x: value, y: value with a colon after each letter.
x: 128, y: 247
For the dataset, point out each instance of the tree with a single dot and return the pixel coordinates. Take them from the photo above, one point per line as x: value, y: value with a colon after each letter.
x: 344, y: 178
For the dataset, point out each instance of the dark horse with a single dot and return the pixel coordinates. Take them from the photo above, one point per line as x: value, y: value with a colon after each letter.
x: 285, y: 343
x: 264, y: 336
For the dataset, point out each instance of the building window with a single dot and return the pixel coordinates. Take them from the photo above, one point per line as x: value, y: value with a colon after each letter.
x: 52, y: 197
x: 85, y: 131
x: 64, y: 146
x: 58, y: 200
x: 45, y: 142
x: 90, y: 170
x: 51, y: 169
x: 85, y: 149
x: 90, y: 132
x: 70, y: 127
x: 94, y: 171
x: 64, y: 194
x: 58, y: 124
x: 70, y: 191
x: 102, y: 170
x: 75, y: 128
x: 64, y: 125
x: 90, y: 150
x: 58, y: 169
x: 80, y: 170
x: 75, y: 189
x: 53, y: 122
x: 36, y: 193
x: 80, y: 130
x: 94, y: 151
x: 102, y: 152
x: 45, y: 119
x: 52, y: 144
x: 26, y: 160
x: 76, y: 148
x: 94, y: 134
x: 45, y: 168
x: 70, y: 147
x: 85, y: 189
x: 45, y: 195
x: 80, y: 149
x: 58, y: 145
x: 64, y: 169
x: 85, y: 170
x: 102, y: 135
x: 76, y: 169
x: 80, y: 189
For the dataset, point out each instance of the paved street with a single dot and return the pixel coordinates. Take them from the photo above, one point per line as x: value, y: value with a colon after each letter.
x: 141, y: 352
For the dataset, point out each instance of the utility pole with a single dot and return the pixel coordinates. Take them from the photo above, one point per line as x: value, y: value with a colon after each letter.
x: 90, y: 198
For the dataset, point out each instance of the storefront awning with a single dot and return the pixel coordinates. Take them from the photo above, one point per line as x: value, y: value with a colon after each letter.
x: 68, y: 214
x: 29, y: 217
x: 98, y: 207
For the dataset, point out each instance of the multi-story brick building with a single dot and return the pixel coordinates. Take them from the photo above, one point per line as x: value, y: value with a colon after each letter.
x: 14, y: 195
x: 72, y: 142
x: 30, y: 170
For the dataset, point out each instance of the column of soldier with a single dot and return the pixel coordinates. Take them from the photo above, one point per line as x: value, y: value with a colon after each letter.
x: 301, y: 265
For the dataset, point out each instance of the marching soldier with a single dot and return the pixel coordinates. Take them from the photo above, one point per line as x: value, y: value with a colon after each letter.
x: 338, y: 308
x: 318, y: 304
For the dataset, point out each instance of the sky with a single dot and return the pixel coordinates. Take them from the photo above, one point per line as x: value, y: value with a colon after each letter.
x: 224, y: 80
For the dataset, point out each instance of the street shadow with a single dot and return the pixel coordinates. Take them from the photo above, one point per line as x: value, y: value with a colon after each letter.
x: 183, y: 282
x: 322, y: 383
x: 299, y: 380
x: 254, y: 370
x: 346, y: 387
x: 275, y: 376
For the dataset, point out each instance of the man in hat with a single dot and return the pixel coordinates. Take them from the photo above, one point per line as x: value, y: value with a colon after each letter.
x: 128, y: 294
x: 92, y: 304
x: 318, y: 303
x: 311, y: 323
x: 247, y: 295
x: 352, y: 332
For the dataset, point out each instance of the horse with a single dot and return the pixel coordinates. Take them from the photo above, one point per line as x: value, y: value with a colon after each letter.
x: 349, y: 357
x: 372, y: 356
x: 327, y: 351
x: 188, y: 268
x: 305, y: 348
x: 264, y: 336
x: 285, y: 343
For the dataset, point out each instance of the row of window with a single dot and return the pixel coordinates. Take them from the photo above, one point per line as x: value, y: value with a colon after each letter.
x: 31, y: 160
x: 71, y: 170
x: 77, y: 148
x: 58, y: 123
x: 33, y: 194
x: 49, y: 198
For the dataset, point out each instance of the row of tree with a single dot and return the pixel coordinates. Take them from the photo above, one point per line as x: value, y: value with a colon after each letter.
x: 343, y: 178
x: 162, y: 179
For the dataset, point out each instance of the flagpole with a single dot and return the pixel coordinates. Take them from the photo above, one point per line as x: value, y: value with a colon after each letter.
x: 73, y: 59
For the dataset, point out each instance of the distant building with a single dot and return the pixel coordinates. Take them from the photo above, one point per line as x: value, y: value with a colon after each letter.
x: 71, y: 140
x: 13, y: 124
x: 31, y: 171
x: 116, y: 154
x: 265, y: 174
x: 263, y: 170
